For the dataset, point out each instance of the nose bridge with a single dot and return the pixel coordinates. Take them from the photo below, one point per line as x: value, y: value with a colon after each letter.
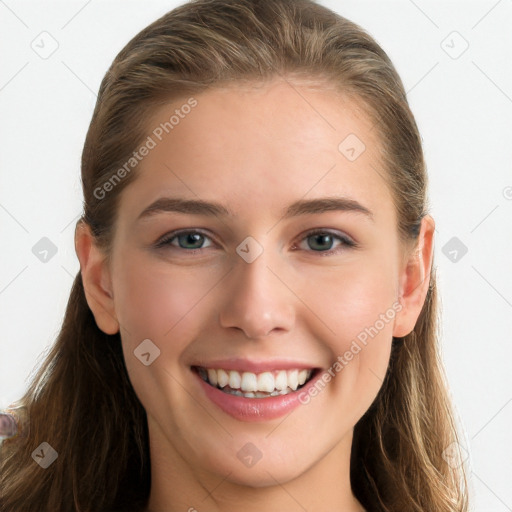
x: 257, y: 302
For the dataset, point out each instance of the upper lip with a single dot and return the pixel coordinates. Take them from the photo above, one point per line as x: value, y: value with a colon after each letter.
x: 253, y: 366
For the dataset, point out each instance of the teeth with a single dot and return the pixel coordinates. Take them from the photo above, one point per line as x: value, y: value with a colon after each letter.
x: 252, y: 385
x: 234, y: 380
x: 258, y: 394
x: 265, y: 382
x: 293, y: 379
x: 281, y: 380
x: 212, y: 377
x: 303, y: 375
x: 249, y: 382
x: 222, y: 378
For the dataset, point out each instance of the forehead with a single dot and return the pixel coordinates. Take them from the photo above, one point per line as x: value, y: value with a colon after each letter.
x: 259, y: 146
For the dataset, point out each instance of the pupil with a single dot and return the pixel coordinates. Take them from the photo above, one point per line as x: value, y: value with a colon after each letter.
x: 194, y: 239
x: 320, y: 242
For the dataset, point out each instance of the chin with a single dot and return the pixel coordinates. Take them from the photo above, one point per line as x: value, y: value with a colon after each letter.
x: 249, y: 466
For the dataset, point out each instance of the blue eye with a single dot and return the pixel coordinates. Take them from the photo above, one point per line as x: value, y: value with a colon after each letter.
x: 325, y: 242
x: 319, y: 241
x: 185, y: 240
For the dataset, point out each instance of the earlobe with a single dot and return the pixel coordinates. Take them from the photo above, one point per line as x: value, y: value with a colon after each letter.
x: 96, y: 279
x: 415, y: 280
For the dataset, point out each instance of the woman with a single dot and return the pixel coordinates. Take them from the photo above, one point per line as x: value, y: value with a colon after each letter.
x: 254, y: 320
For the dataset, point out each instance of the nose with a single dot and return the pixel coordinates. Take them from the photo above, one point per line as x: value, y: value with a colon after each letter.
x: 258, y: 302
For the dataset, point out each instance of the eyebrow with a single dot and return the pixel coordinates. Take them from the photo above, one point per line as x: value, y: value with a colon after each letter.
x: 297, y: 208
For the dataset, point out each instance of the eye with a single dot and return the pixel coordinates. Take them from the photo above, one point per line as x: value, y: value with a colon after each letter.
x: 320, y: 241
x: 325, y: 242
x: 189, y: 240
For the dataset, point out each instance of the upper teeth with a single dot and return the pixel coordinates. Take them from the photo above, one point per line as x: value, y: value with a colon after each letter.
x: 278, y: 380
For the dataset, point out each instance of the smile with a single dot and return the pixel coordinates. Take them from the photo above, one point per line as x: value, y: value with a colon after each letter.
x: 255, y: 385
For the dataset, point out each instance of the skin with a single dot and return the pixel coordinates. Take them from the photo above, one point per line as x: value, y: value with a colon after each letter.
x: 6, y: 425
x: 256, y: 150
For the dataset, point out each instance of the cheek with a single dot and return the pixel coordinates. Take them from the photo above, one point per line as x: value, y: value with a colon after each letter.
x: 357, y: 304
x: 353, y: 297
x: 169, y: 306
x: 153, y: 299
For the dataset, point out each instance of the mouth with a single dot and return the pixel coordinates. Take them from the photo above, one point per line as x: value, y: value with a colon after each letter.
x: 256, y: 385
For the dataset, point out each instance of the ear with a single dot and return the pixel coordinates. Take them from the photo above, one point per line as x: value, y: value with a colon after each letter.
x: 96, y: 279
x: 415, y: 280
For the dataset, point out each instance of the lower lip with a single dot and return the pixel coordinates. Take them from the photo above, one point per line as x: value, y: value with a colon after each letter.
x: 255, y: 409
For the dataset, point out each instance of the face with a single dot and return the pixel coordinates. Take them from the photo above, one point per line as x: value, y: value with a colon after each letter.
x: 272, y: 257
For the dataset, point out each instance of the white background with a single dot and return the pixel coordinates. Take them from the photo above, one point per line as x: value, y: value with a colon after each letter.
x: 463, y: 107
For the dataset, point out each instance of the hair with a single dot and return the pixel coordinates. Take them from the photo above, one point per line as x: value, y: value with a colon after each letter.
x: 81, y: 400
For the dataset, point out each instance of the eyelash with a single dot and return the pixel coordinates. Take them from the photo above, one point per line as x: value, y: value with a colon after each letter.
x: 346, y: 242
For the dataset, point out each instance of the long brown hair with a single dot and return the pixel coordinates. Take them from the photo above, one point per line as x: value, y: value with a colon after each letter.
x: 81, y: 401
